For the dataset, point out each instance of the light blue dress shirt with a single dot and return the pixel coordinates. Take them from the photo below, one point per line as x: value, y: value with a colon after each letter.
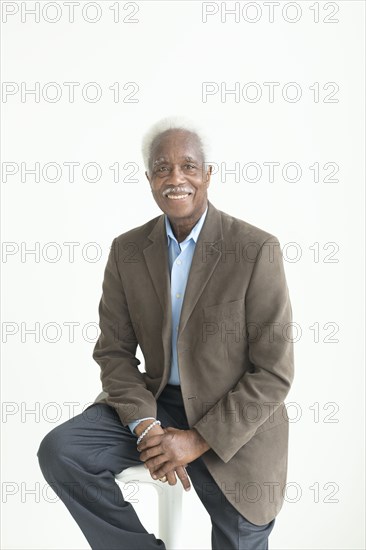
x: 180, y: 259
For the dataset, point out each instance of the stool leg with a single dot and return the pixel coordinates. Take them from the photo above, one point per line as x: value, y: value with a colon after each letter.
x: 170, y: 515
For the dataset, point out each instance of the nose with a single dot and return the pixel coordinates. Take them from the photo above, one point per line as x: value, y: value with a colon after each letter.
x: 177, y: 176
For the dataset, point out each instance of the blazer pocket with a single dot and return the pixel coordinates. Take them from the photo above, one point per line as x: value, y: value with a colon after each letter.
x: 233, y: 310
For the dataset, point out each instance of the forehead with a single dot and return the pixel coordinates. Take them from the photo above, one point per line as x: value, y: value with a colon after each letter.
x: 176, y: 143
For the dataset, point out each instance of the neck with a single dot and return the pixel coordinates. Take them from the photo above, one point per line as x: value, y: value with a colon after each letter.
x: 182, y: 228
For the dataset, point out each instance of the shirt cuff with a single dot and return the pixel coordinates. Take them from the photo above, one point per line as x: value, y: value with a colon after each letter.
x: 132, y: 425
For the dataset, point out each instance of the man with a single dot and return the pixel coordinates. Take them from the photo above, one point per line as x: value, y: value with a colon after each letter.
x: 205, y: 297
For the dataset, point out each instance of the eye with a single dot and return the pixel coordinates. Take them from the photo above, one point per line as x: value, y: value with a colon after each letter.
x: 190, y: 166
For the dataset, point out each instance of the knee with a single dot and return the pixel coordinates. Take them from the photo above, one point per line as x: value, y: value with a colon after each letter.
x: 49, y: 451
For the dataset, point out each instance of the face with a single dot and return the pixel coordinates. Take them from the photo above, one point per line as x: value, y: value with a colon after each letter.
x: 177, y: 176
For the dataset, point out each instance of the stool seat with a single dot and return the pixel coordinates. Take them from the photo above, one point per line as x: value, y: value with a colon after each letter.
x: 170, y: 500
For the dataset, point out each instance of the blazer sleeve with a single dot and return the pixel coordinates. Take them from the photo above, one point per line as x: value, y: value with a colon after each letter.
x: 116, y: 348
x: 263, y: 388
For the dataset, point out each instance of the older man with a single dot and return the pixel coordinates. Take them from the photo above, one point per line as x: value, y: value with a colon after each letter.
x: 205, y: 297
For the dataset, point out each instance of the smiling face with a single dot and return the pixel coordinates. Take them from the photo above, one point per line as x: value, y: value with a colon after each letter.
x: 177, y: 176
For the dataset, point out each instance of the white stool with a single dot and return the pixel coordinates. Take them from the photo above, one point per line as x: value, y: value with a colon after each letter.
x: 169, y: 503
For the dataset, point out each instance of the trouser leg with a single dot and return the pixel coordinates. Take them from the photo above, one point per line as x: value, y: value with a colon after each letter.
x: 230, y: 530
x: 79, y: 460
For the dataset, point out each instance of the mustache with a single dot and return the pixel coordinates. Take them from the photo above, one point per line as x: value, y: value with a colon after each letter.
x: 181, y: 190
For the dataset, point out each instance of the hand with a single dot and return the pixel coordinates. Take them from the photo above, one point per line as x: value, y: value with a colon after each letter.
x: 171, y: 450
x: 171, y: 475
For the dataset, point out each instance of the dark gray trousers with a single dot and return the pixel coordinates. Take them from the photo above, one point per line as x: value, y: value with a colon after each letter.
x: 80, y: 458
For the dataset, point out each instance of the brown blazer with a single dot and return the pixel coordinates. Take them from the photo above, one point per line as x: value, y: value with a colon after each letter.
x: 235, y: 349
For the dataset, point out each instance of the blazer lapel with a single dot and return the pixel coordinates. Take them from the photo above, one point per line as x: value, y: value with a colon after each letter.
x: 205, y: 258
x: 156, y: 256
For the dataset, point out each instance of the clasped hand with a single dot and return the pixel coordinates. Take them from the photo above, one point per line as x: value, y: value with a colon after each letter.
x: 169, y: 452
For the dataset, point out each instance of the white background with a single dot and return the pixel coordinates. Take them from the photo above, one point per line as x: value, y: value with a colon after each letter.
x: 169, y: 52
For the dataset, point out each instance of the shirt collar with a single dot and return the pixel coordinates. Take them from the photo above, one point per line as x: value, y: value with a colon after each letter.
x: 196, y: 229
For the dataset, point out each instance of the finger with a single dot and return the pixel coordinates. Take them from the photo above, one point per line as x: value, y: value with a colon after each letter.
x: 162, y: 471
x: 172, y: 480
x: 155, y: 463
x: 150, y: 453
x: 183, y: 476
x: 148, y: 442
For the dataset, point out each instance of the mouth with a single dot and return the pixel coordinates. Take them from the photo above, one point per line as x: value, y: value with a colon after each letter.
x: 176, y: 197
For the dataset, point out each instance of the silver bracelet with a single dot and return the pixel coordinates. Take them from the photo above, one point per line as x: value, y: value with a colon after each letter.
x: 147, y: 429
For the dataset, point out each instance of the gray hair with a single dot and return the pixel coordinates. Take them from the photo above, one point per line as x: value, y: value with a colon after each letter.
x: 172, y: 123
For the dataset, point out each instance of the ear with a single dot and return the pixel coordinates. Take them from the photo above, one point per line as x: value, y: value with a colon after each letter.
x: 208, y: 175
x: 147, y: 175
